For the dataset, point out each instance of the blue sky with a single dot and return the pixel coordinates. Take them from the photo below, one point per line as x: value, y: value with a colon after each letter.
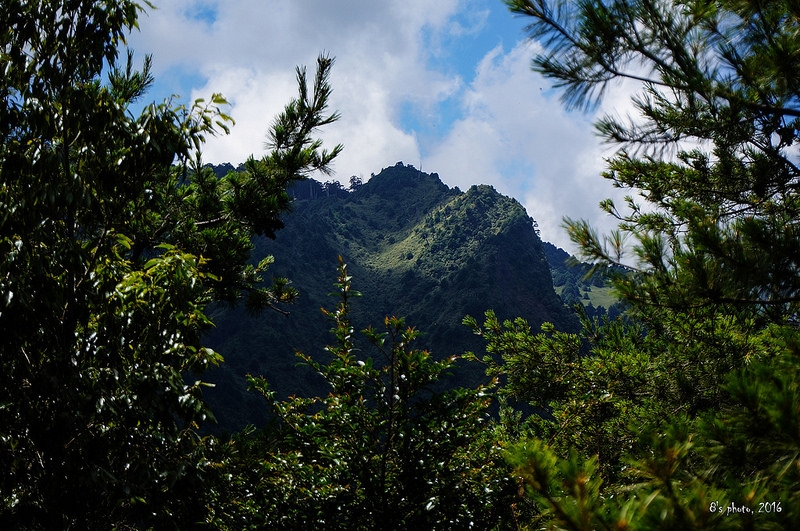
x: 445, y: 84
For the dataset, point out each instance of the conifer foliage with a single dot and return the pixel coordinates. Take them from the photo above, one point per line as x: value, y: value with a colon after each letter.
x: 385, y: 449
x: 712, y: 283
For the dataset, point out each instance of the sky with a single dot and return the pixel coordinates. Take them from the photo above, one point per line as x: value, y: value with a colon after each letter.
x: 444, y: 85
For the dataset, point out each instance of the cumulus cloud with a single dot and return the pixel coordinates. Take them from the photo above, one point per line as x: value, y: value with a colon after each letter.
x: 247, y: 50
x: 516, y: 135
x: 492, y: 122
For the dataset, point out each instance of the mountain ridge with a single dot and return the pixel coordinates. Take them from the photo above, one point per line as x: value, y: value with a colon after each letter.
x: 415, y: 248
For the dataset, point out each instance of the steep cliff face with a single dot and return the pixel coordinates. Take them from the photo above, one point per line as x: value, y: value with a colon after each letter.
x: 415, y: 248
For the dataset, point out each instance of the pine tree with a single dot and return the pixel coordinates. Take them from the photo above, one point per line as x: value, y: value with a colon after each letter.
x: 713, y: 279
x: 387, y: 448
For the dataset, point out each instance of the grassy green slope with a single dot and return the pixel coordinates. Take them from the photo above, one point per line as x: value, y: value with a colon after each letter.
x: 572, y: 285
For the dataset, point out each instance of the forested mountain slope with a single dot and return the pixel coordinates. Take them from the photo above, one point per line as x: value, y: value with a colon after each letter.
x: 415, y: 248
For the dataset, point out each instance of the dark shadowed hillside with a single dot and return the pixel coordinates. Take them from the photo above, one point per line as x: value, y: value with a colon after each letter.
x: 415, y: 248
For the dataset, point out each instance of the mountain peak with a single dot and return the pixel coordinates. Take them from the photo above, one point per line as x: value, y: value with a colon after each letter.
x: 402, y: 178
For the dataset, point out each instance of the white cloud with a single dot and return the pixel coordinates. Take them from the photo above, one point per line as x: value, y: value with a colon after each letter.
x: 509, y: 131
x: 248, y: 53
x: 516, y: 135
